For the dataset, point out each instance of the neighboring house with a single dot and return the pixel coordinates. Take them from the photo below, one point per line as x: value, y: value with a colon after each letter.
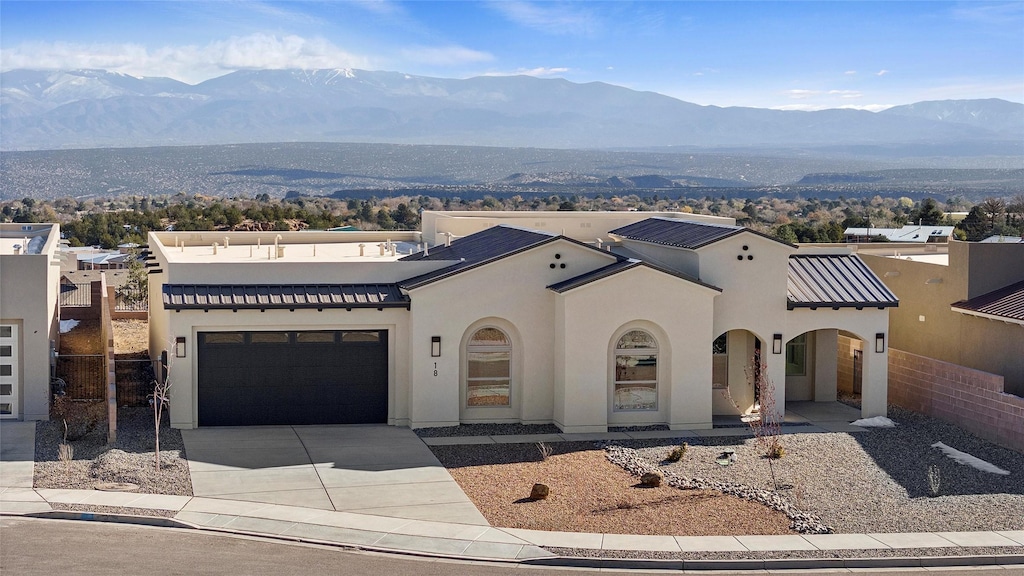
x: 93, y: 258
x: 1003, y: 240
x: 965, y: 308
x: 29, y: 278
x: 912, y: 233
x: 585, y: 320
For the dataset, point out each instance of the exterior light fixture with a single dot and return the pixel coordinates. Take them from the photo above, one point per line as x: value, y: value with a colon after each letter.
x: 179, y: 347
x: 880, y: 342
x: 435, y: 346
x: 777, y: 344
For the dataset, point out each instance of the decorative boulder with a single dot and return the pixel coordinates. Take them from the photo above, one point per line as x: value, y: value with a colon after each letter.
x: 539, y: 492
x: 651, y: 479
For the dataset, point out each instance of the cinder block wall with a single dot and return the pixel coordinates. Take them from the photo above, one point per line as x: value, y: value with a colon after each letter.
x: 844, y: 372
x: 971, y: 399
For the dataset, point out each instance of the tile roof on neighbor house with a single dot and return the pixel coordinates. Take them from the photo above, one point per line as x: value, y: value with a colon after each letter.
x: 1005, y: 304
x: 681, y: 233
x: 615, y: 268
x: 835, y: 281
x: 481, y: 248
x: 268, y: 296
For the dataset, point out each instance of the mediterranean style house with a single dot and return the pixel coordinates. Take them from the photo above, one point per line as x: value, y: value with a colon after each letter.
x: 585, y: 320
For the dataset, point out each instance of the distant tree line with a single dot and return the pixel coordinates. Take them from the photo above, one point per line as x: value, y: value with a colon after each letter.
x: 111, y: 221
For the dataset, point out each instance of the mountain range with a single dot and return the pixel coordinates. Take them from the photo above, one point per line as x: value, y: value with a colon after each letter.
x: 46, y: 110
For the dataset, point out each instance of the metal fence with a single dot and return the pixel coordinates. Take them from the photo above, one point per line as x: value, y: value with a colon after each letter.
x: 78, y: 295
x: 134, y: 379
x: 84, y: 376
x: 129, y: 299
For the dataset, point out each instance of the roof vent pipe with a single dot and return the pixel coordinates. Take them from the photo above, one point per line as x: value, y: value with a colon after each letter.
x: 175, y: 241
x: 426, y: 250
x: 447, y: 238
x: 214, y: 248
x: 362, y: 249
x: 257, y: 241
x: 226, y: 242
x: 599, y: 243
x: 381, y: 246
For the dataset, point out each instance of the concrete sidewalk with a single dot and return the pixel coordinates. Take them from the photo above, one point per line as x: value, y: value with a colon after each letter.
x: 333, y: 457
x: 481, y: 542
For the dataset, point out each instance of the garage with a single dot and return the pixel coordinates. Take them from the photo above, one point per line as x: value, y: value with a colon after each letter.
x: 293, y: 377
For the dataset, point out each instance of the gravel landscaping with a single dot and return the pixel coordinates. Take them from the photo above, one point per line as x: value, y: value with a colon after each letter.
x: 874, y: 481
x: 590, y: 494
x: 130, y: 459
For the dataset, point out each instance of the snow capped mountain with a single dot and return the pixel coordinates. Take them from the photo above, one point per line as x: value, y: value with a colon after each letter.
x: 89, y: 108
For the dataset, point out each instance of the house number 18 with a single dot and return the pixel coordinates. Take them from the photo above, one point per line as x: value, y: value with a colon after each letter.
x: 435, y: 368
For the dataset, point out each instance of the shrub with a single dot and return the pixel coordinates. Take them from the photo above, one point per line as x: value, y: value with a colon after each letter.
x: 81, y: 418
x: 677, y: 453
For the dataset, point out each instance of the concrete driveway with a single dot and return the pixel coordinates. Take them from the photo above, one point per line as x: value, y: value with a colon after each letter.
x: 375, y: 469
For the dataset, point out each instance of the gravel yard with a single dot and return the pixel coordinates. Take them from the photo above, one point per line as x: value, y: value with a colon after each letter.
x: 875, y: 481
x: 131, y: 336
x: 130, y: 459
x: 590, y: 494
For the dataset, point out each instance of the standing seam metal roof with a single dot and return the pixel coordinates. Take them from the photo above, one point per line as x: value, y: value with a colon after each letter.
x: 1006, y: 303
x: 686, y: 234
x: 835, y: 281
x: 237, y: 296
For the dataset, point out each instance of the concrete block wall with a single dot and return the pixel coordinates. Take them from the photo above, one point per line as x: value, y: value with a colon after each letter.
x: 971, y: 399
x: 844, y: 372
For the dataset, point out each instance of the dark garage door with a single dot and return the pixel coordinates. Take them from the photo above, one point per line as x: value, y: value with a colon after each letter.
x: 276, y: 378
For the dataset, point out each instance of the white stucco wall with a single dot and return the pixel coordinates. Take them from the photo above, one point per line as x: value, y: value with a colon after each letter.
x: 29, y: 284
x: 511, y: 294
x: 593, y: 317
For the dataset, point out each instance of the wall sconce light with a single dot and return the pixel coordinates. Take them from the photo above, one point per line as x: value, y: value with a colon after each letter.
x: 880, y: 342
x: 179, y: 347
x: 435, y: 346
x: 777, y: 344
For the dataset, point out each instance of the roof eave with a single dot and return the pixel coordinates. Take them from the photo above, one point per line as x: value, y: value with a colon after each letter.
x: 988, y: 316
x: 792, y: 305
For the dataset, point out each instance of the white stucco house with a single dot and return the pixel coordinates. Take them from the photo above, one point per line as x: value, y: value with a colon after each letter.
x: 29, y: 316
x: 585, y: 320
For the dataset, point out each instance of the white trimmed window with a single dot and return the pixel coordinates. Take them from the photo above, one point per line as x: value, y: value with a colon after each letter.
x: 489, y: 369
x: 636, y: 372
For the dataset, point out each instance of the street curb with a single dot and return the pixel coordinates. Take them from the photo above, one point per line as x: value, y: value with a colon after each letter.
x: 776, y: 563
x: 157, y: 521
x: 575, y: 561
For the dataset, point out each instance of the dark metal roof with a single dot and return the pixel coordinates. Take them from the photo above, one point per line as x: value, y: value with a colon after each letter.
x: 615, y: 268
x: 481, y: 248
x: 687, y: 234
x: 490, y: 243
x: 1005, y: 303
x: 835, y: 281
x: 593, y: 275
x: 265, y: 296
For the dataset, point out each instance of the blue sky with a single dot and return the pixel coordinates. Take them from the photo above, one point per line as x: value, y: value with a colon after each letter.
x: 789, y: 54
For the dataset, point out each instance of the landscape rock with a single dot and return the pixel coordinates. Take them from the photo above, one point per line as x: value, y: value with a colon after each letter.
x: 651, y: 479
x: 539, y: 492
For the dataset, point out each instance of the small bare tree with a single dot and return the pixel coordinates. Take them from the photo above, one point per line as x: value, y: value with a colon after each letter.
x: 766, y: 424
x: 161, y: 397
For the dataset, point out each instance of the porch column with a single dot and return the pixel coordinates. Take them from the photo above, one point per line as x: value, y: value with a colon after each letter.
x: 775, y: 370
x: 826, y: 365
x: 875, y: 386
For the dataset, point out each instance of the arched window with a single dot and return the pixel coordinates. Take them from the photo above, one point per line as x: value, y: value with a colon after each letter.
x: 636, y: 372
x: 489, y: 368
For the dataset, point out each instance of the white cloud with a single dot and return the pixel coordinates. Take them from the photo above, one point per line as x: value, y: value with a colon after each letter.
x: 800, y: 94
x: 882, y: 72
x: 552, y: 18
x: 541, y: 71
x: 189, y: 63
x: 845, y: 93
x: 850, y: 72
x: 445, y: 55
x: 698, y: 73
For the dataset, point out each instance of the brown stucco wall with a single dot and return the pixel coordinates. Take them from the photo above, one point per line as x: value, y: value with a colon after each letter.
x: 925, y: 324
x: 971, y: 399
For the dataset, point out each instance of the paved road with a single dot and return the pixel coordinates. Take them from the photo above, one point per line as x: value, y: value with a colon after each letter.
x: 30, y: 546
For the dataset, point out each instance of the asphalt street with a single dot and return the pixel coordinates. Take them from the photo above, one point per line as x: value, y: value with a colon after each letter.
x: 30, y: 546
